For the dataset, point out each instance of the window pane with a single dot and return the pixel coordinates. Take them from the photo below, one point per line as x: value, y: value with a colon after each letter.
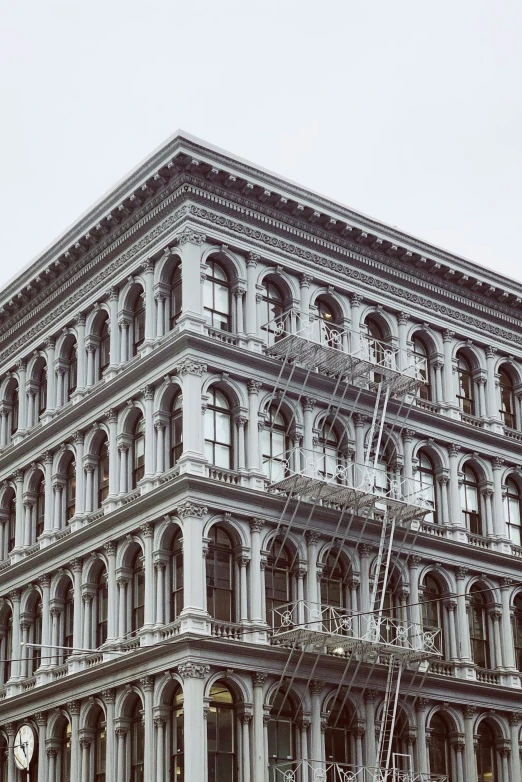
x: 222, y: 456
x: 223, y: 428
x: 225, y: 730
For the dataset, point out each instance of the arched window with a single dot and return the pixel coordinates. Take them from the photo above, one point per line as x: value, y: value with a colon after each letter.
x: 400, y: 747
x: 329, y: 329
x: 102, y: 607
x: 439, y: 748
x: 512, y: 512
x: 35, y: 634
x: 175, y: 296
x: 333, y: 589
x: 374, y: 346
x: 72, y: 370
x: 426, y: 478
x: 278, y: 582
x: 271, y: 312
x: 218, y: 430
x: 70, y: 491
x: 103, y: 471
x: 330, y: 458
x: 507, y: 399
x: 65, y: 754
x: 138, y: 592
x: 138, y: 451
x: 275, y: 445
x: 221, y: 735
x: 486, y: 755
x: 41, y: 392
x: 338, y: 736
x: 478, y: 627
x: 11, y: 522
x: 68, y: 622
x: 465, y: 396
x: 432, y: 611
x: 470, y: 502
x: 176, y: 429
x: 216, y: 296
x: 6, y: 646
x: 517, y: 630
x: 104, y: 350
x: 422, y: 367
x: 40, y: 507
x: 177, y: 743
x: 281, y: 735
x: 220, y: 576
x: 137, y: 744
x: 100, y: 749
x: 15, y: 408
x: 138, y: 323
x: 176, y: 577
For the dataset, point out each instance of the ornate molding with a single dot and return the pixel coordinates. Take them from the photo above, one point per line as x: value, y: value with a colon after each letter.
x: 191, y: 670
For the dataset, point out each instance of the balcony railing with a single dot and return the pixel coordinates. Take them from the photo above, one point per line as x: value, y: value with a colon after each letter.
x: 335, y: 350
x: 321, y: 771
x: 338, y: 630
x: 320, y: 476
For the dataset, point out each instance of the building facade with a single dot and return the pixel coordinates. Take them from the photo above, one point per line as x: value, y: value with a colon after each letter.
x: 147, y: 563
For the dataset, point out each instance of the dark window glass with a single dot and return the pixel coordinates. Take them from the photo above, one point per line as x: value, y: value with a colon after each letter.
x: 275, y: 445
x: 14, y: 410
x: 422, y: 368
x: 329, y: 460
x: 338, y: 736
x: 470, y: 502
x: 486, y: 755
x: 271, y: 315
x: 220, y: 576
x: 478, y: 628
x: 439, y: 747
x: 517, y: 630
x: 175, y: 296
x: 70, y: 491
x: 216, y: 296
x: 105, y: 345
x: 138, y: 452
x: 72, y: 374
x: 176, y: 430
x: 138, y: 592
x: 281, y: 735
x: 221, y: 740
x: 11, y: 524
x: 373, y: 346
x: 507, y: 399
x: 102, y: 607
x: 177, y: 765
x: 176, y: 575
x: 432, y: 611
x: 329, y: 330
x: 41, y: 379
x: 278, y: 583
x: 137, y: 746
x: 218, y: 430
x: 8, y: 650
x: 333, y: 591
x: 138, y: 324
x: 512, y: 512
x: 40, y: 507
x: 426, y: 478
x: 465, y: 397
x: 37, y: 637
x: 103, y: 472
x: 68, y: 622
x: 100, y: 751
x: 65, y: 755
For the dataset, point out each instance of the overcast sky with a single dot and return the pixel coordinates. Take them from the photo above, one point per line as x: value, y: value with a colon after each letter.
x: 406, y: 110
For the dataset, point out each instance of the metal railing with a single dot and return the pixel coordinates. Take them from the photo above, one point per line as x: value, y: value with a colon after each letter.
x: 321, y: 771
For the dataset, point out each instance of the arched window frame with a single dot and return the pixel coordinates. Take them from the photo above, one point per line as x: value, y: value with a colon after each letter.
x: 217, y: 298
x: 137, y: 592
x: 102, y: 472
x: 220, y: 575
x: 507, y: 409
x: 422, y: 367
x: 479, y: 627
x: 334, y: 579
x: 176, y: 577
x: 465, y: 385
x: 275, y: 444
x: 432, y: 617
x: 279, y: 582
x: 440, y: 747
x: 272, y: 309
x: 176, y: 429
x: 175, y: 296
x: 218, y: 429
x: 328, y: 448
x: 471, y: 511
x: 138, y: 451
x: 329, y: 322
x: 222, y: 757
x: 426, y: 475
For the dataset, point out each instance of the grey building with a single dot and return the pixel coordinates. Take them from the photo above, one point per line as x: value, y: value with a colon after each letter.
x: 260, y: 485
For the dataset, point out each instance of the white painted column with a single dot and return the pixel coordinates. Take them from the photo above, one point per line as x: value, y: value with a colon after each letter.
x: 148, y: 396
x: 437, y: 367
x: 252, y: 428
x: 469, y: 738
x: 495, y: 617
x: 191, y: 371
x: 191, y: 249
x: 317, y: 759
x: 123, y: 451
x: 150, y: 314
x: 256, y: 526
x: 122, y: 608
x: 515, y: 774
x: 74, y: 711
x: 194, y: 675
x: 160, y: 446
x: 492, y: 400
x: 51, y: 765
x: 87, y: 620
x: 51, y: 376
x: 160, y: 314
x: 80, y: 352
x: 308, y: 422
x: 240, y: 318
x: 109, y: 696
x: 258, y: 681
x: 90, y: 350
x: 443, y: 481
x: 110, y: 551
x: 194, y: 598
x: 114, y: 330
x: 462, y: 616
x: 499, y: 521
x: 45, y: 586
x: 415, y: 609
x: 251, y: 304
x: 160, y: 567
x: 147, y: 684
x: 481, y: 383
x: 449, y: 385
x: 403, y: 361
x: 451, y: 607
x: 121, y: 733
x: 124, y: 340
x: 355, y: 310
x: 245, y: 733
x: 304, y: 284
x: 456, y: 513
x: 20, y: 517
x: 371, y: 749
x: 80, y: 482
x: 507, y: 629
x: 113, y: 453
x: 89, y: 487
x: 147, y: 531
x: 77, y: 566
x: 241, y: 420
x: 243, y: 563
x: 407, y: 439
x: 161, y: 755
x: 313, y: 595
x: 364, y: 556
x: 22, y: 395
x: 41, y: 720
x: 422, y: 749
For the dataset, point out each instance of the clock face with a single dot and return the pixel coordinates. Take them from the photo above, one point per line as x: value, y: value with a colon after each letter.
x: 24, y: 746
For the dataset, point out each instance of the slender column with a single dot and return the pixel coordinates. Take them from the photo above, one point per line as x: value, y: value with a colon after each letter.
x: 114, y: 331
x: 120, y: 765
x: 90, y: 349
x: 304, y: 284
x: 22, y: 395
x: 240, y: 320
x: 159, y: 722
x: 57, y: 515
x: 148, y: 395
x: 110, y: 550
x: 443, y: 481
x: 55, y: 635
x: 308, y: 422
x: 85, y: 746
x: 147, y: 531
x: 109, y: 696
x: 305, y: 727
x: 243, y: 607
x: 456, y: 514
x: 193, y: 675
x: 87, y: 620
x: 160, y: 314
x: 89, y: 487
x: 147, y: 684
x: 113, y: 452
x: 256, y: 526
x: 459, y: 752
x: 507, y: 628
x: 300, y: 575
x: 160, y: 447
x: 19, y: 528
x: 499, y: 522
x: 15, y: 644
x: 150, y: 320
x: 3, y: 430
x: 437, y: 371
x: 364, y: 555
x: 422, y: 749
x: 316, y: 734
x: 463, y: 629
x: 359, y: 732
x: 80, y: 348
x: 407, y: 439
x: 245, y: 731
x: 28, y: 508
x: 487, y: 494
x: 451, y: 606
x: 31, y: 408
x: 45, y: 586
x: 415, y: 612
x: 124, y: 340
x: 122, y: 612
x: 160, y: 566
x: 312, y: 539
x: 504, y: 753
x: 252, y: 428
x: 514, y: 774
x: 481, y: 382
x: 495, y: 618
x: 60, y: 386
x: 258, y: 681
x: 241, y: 420
x: 51, y: 765
x: 371, y: 749
x: 355, y: 302
x: 402, y: 319
x: 74, y: 711
x: 24, y: 627
x: 77, y: 566
x: 191, y: 371
x: 449, y: 387
x: 492, y: 403
x: 41, y: 721
x: 123, y: 451
x: 359, y: 438
x: 251, y: 306
x: 190, y: 244
x: 193, y: 596
x: 80, y: 491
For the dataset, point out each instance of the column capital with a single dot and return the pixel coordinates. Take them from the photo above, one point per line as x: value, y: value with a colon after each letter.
x: 365, y: 549
x: 316, y: 685
x: 305, y: 280
x: 109, y: 694
x: 147, y: 530
x: 356, y: 299
x: 253, y: 259
x: 491, y: 352
x: 258, y: 679
x: 421, y: 704
x: 309, y: 403
x: 110, y: 548
x: 188, y: 236
x: 461, y: 573
x: 312, y: 537
x: 147, y: 682
x: 515, y: 717
x: 74, y: 707
x: 257, y: 524
x: 191, y: 366
x: 189, y: 508
x: 453, y: 449
x: 414, y: 561
x: 469, y: 712
x: 192, y: 670
x: 254, y: 386
x: 447, y: 335
x: 41, y: 718
x: 497, y: 463
x: 403, y: 318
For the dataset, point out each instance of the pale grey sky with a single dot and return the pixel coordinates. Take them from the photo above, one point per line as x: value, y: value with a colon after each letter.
x: 405, y: 110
